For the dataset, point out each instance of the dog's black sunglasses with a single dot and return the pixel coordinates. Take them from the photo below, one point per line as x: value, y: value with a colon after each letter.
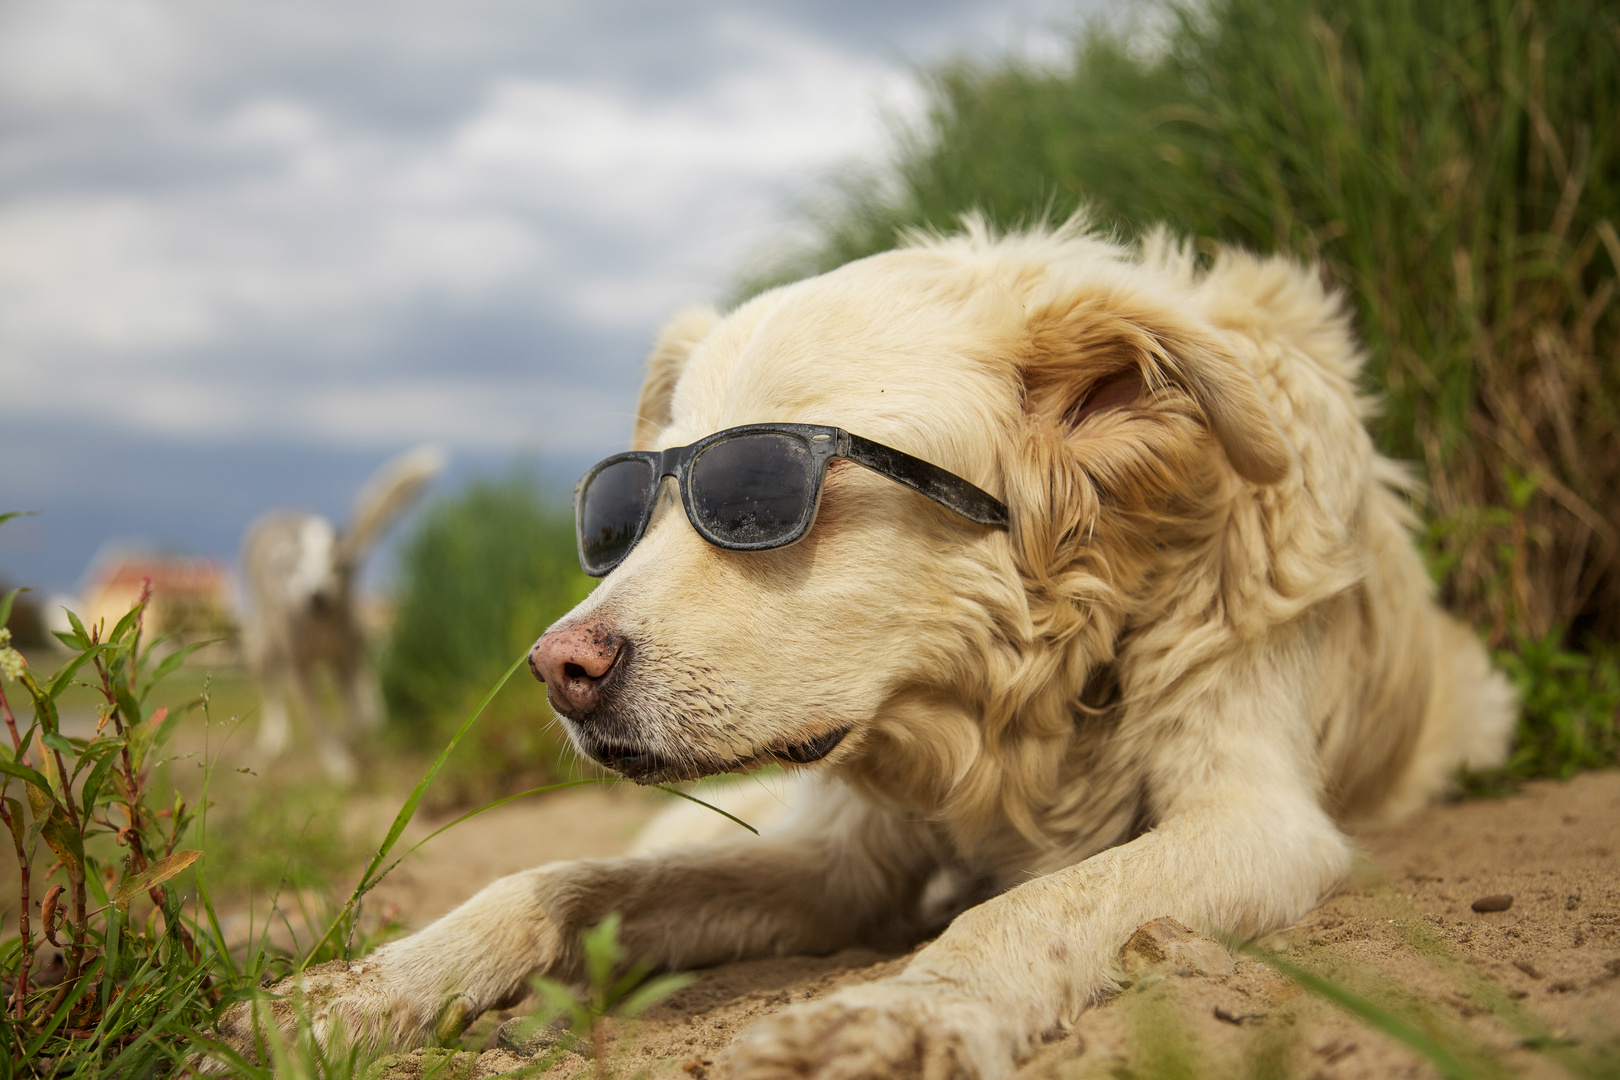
x: 747, y: 488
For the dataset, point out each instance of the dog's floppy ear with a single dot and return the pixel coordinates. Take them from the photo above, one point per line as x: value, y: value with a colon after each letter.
x: 664, y: 365
x: 1103, y: 353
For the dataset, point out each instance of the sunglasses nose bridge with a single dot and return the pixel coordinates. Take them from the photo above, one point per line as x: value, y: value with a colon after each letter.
x: 669, y: 462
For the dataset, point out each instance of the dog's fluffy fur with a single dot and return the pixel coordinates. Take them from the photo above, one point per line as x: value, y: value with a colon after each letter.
x: 1204, y: 646
x: 302, y: 622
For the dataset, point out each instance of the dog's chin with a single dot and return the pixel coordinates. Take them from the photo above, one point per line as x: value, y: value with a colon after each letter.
x: 644, y: 766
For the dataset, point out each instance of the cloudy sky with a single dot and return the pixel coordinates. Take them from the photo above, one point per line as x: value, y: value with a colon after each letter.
x: 250, y: 248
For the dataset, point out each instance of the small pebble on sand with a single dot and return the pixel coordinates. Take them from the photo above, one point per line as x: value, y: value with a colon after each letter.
x: 1495, y: 902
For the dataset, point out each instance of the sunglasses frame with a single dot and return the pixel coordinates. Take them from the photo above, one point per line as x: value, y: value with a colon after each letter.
x: 826, y: 444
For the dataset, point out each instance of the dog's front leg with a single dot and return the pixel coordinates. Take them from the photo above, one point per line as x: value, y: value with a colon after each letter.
x: 846, y: 873
x: 1024, y: 963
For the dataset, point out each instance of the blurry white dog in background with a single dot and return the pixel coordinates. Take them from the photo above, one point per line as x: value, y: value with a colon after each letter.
x: 299, y: 572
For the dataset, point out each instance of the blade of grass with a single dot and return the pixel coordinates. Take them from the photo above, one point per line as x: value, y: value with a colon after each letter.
x: 204, y: 897
x: 553, y: 787
x: 61, y: 1014
x: 206, y: 900
x: 490, y: 806
x: 1375, y: 1016
x: 171, y: 1018
x: 371, y: 876
x: 711, y: 806
x: 406, y: 813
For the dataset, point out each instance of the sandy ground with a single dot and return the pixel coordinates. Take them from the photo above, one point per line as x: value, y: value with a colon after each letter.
x: 1545, y: 971
x: 570, y: 824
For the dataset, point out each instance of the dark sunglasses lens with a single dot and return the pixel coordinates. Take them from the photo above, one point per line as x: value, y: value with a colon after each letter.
x: 612, y: 512
x: 754, y: 489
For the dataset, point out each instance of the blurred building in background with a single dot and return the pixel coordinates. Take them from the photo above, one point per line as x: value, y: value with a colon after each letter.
x: 192, y: 598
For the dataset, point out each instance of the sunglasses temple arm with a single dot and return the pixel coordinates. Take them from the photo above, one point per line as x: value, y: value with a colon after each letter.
x: 927, y: 479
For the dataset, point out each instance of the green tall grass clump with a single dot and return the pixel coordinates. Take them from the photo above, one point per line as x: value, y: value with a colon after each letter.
x: 113, y: 962
x: 1454, y: 166
x: 113, y: 959
x: 133, y: 978
x: 486, y: 571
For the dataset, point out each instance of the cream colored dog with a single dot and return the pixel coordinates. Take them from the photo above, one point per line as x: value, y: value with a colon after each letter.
x: 1205, y: 643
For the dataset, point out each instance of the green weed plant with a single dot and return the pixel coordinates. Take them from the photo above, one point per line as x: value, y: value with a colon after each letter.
x: 134, y: 979
x: 617, y: 988
x: 102, y: 851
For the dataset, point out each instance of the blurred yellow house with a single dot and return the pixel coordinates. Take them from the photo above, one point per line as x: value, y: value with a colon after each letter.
x: 191, y: 597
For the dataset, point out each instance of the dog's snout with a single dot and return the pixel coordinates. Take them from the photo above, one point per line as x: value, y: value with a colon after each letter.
x: 574, y: 662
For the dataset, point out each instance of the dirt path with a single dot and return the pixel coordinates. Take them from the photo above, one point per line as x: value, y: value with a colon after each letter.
x: 1402, y: 932
x: 569, y: 824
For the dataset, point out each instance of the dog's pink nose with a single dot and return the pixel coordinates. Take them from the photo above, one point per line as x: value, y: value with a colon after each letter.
x: 574, y: 662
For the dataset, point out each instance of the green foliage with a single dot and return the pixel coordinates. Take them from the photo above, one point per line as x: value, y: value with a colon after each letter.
x: 301, y: 1056
x: 1569, y: 703
x: 143, y: 980
x: 614, y: 987
x: 1421, y: 1024
x: 1453, y: 166
x: 135, y: 979
x: 1163, y: 1045
x: 269, y: 838
x: 486, y: 571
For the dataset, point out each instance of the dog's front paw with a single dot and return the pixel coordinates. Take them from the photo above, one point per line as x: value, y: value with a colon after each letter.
x: 357, y: 1002
x: 883, y: 1029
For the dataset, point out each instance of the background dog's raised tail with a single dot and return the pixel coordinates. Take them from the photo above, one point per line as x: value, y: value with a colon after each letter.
x: 389, y: 493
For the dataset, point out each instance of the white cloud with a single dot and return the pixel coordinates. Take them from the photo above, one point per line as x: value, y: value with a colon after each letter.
x: 621, y: 158
x: 90, y: 53
x: 480, y: 413
x: 116, y: 282
x: 594, y: 206
x: 243, y: 242
x: 320, y: 229
x: 273, y: 123
x: 95, y: 273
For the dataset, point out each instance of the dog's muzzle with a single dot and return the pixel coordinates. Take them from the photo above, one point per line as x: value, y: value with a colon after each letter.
x: 582, y: 666
x: 647, y: 767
